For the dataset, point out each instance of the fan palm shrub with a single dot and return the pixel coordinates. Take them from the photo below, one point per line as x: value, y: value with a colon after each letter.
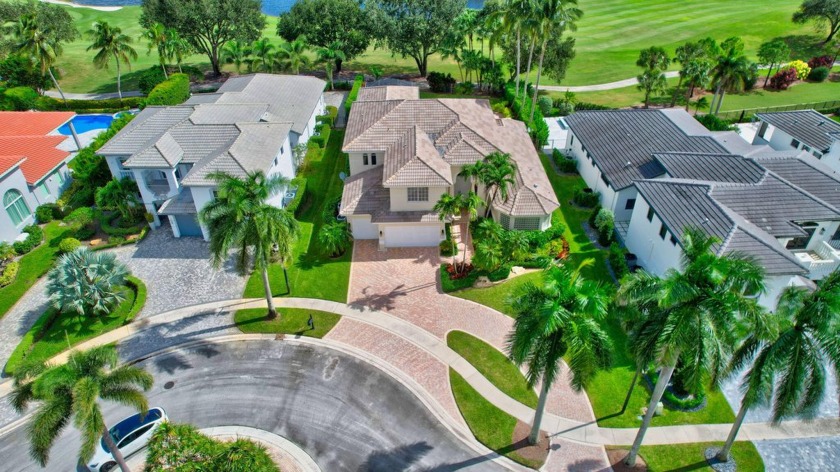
x: 335, y: 237
x: 86, y: 282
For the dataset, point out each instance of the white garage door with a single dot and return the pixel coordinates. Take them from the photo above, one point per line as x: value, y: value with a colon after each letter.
x: 412, y: 236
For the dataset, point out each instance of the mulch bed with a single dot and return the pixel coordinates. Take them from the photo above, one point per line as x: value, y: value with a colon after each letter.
x: 617, y: 456
x: 537, y: 452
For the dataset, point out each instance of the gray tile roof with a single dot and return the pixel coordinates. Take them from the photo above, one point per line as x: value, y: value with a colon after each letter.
x: 807, y: 126
x: 364, y: 195
x: 181, y: 204
x: 457, y: 132
x: 682, y: 204
x: 710, y: 167
x: 622, y: 142
x: 145, y: 129
x: 807, y: 173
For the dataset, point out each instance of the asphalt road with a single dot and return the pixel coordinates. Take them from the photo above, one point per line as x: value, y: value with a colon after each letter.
x: 346, y: 414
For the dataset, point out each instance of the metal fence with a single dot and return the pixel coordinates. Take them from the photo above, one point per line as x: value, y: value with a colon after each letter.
x: 741, y: 116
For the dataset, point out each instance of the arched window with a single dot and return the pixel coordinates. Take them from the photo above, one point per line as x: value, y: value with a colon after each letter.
x: 16, y: 207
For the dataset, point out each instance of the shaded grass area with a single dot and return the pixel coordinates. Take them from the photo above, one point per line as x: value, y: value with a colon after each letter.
x: 490, y: 425
x: 685, y: 457
x: 493, y: 365
x: 288, y: 321
x: 56, y: 332
x: 34, y: 265
x: 313, y: 273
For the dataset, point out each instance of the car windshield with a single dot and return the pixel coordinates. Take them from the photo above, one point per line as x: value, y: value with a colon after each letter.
x: 128, y: 425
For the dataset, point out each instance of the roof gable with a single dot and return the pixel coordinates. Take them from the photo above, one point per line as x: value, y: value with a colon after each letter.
x: 808, y: 126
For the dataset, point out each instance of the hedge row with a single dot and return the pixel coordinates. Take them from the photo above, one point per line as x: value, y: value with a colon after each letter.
x: 9, y: 273
x: 139, y: 301
x: 110, y: 105
x: 294, y: 205
x: 173, y: 91
x: 329, y: 118
x: 107, y: 225
x: 323, y: 137
x: 354, y: 92
x: 34, y: 237
x: 537, y: 128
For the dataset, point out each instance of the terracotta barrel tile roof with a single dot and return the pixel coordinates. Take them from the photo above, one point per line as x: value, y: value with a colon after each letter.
x: 29, y: 123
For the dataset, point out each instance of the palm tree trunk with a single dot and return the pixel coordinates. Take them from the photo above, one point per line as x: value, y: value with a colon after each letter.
x: 676, y: 92
x: 538, y: 414
x: 528, y: 71
x: 115, y: 452
x: 688, y: 96
x: 518, y: 58
x: 714, y: 98
x: 769, y: 71
x: 537, y: 86
x: 55, y: 82
x: 465, y: 235
x: 269, y: 298
x: 119, y: 78
x: 720, y: 101
x: 723, y: 455
x: 163, y: 66
x: 664, y: 378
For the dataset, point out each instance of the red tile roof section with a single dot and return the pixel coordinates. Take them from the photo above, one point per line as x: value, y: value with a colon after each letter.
x: 30, y: 123
x: 25, y: 134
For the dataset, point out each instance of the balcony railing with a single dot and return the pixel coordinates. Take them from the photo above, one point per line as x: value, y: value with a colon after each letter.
x: 820, y: 262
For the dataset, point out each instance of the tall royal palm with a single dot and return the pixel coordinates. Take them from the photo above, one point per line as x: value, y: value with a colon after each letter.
x: 71, y: 392
x: 32, y: 39
x: 729, y: 73
x: 552, y: 18
x: 240, y: 219
x: 789, y: 368
x: 690, y: 314
x: 559, y: 318
x: 156, y: 35
x: 111, y: 43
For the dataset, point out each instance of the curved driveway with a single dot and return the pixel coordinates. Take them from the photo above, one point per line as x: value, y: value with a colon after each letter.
x: 345, y: 413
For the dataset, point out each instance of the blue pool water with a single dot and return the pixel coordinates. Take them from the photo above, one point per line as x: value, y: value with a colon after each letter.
x: 269, y: 7
x: 84, y: 123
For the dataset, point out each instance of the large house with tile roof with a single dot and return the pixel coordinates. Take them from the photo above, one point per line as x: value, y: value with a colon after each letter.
x: 251, y: 123
x: 33, y: 165
x: 781, y: 208
x: 804, y: 130
x: 405, y: 152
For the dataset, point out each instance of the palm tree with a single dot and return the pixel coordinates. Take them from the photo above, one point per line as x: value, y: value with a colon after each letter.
x: 72, y: 392
x: 473, y: 172
x: 335, y: 237
x: 730, y: 73
x: 690, y: 315
x: 236, y: 53
x: 469, y: 210
x: 687, y: 55
x: 559, y: 318
x: 510, y: 17
x: 120, y: 195
x: 330, y: 56
x: 262, y: 50
x: 111, y: 42
x: 552, y: 18
x: 447, y: 207
x: 157, y: 37
x: 239, y: 218
x: 653, y: 61
x: 86, y: 282
x: 498, y: 177
x: 31, y: 39
x: 292, y: 55
x: 789, y: 367
x: 697, y: 75
x: 178, y: 47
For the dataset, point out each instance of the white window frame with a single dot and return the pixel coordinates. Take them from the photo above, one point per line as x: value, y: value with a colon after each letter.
x: 13, y: 205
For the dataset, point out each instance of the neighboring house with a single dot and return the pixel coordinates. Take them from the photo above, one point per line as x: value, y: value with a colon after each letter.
x: 616, y: 147
x: 33, y: 165
x: 405, y: 153
x: 251, y: 123
x: 804, y: 130
x: 782, y: 209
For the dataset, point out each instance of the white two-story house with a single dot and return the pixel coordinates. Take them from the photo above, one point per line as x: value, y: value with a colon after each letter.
x: 251, y: 123
x: 404, y: 153
x: 804, y: 130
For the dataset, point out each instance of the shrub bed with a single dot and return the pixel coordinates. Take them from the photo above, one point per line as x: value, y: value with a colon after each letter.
x: 117, y: 241
x: 564, y: 163
x: 109, y: 226
x: 440, y: 82
x: 10, y: 271
x: 68, y: 245
x: 110, y: 105
x: 354, y: 92
x: 34, y: 237
x: 617, y: 261
x: 173, y: 91
x: 586, y: 199
x: 48, y: 212
x: 537, y: 128
x: 294, y: 206
x: 713, y: 123
x: 322, y: 138
x: 673, y: 401
x: 466, y: 278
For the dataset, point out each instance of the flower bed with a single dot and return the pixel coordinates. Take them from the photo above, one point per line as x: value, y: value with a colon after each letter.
x: 674, y: 401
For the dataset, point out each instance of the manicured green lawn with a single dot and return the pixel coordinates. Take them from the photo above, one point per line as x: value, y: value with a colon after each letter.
x: 289, y: 321
x: 313, y: 273
x: 690, y: 457
x: 498, y: 369
x: 54, y: 333
x: 490, y: 425
x: 34, y: 265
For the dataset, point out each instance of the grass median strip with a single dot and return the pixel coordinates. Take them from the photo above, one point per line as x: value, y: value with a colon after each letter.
x: 493, y: 365
x: 690, y: 456
x: 288, y: 321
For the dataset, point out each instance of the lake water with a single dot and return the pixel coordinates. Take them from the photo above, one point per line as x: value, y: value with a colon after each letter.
x: 269, y: 7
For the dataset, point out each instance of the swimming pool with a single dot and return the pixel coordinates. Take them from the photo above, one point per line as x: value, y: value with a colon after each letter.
x: 85, y: 123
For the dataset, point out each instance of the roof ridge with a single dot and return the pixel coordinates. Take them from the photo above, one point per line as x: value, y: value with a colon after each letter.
x: 370, y: 126
x: 804, y: 192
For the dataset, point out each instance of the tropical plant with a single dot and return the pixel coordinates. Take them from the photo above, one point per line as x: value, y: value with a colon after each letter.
x: 240, y: 219
x: 292, y: 55
x: 823, y: 13
x: 329, y: 57
x: 157, y: 37
x: 560, y: 318
x: 110, y: 42
x: 236, y: 53
x: 335, y: 237
x: 40, y: 44
x: 497, y: 174
x: 689, y: 54
x: 71, y: 392
x: 801, y: 67
x: 119, y: 195
x: 178, y: 47
x: 787, y: 367
x: 690, y: 314
x: 262, y: 50
x: 772, y: 54
x: 654, y: 62
x: 86, y: 282
x: 730, y: 72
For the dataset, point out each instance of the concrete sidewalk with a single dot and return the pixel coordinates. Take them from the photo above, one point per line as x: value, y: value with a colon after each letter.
x: 93, y: 96
x: 558, y: 427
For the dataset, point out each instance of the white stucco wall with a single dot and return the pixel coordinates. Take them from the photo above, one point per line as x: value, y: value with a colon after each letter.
x: 201, y: 197
x: 654, y: 253
x: 622, y: 213
x: 15, y: 180
x: 591, y: 174
x: 54, y: 183
x: 362, y: 227
x: 399, y: 199
x: 357, y: 164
